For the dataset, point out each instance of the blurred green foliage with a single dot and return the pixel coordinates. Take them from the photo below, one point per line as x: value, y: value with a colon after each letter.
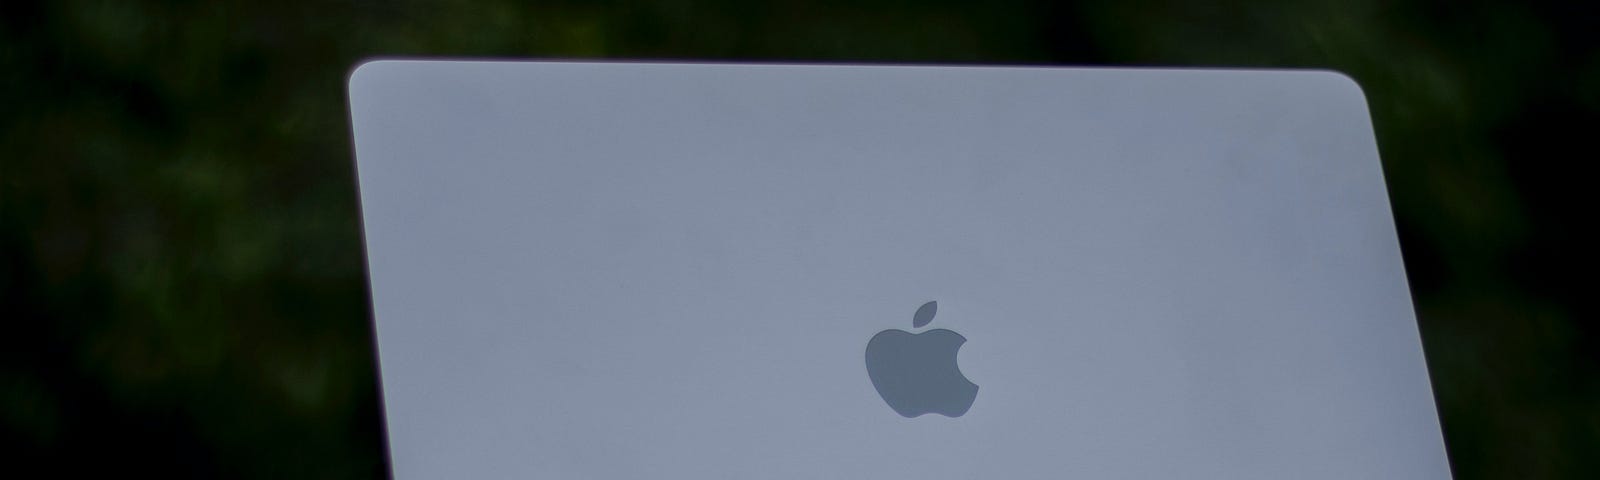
x: 180, y: 262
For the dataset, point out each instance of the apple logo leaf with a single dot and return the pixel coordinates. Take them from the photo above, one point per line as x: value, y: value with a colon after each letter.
x: 924, y: 314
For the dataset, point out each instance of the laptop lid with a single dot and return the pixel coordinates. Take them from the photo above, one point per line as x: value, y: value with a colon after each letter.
x: 635, y: 270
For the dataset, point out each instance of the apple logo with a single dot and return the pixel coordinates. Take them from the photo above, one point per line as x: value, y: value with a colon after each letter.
x: 916, y: 373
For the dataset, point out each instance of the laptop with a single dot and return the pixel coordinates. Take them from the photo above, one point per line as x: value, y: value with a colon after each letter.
x: 774, y: 271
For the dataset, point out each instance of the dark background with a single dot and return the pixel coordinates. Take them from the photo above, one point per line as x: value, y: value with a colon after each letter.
x: 180, y: 263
